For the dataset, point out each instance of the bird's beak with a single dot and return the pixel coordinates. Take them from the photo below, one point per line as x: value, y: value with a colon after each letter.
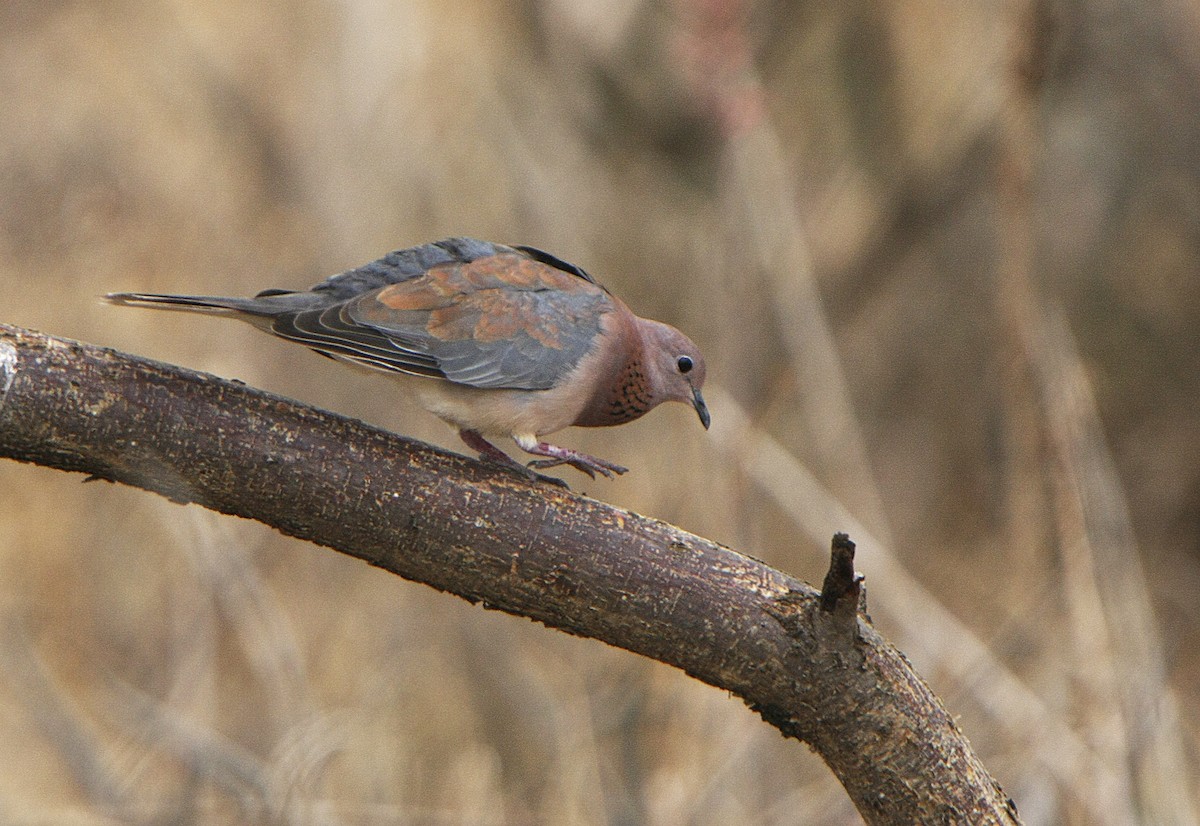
x: 701, y: 407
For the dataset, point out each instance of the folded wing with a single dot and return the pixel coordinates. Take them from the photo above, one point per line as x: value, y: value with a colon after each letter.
x: 500, y: 320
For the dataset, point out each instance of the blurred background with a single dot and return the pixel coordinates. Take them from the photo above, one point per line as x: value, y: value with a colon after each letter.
x: 941, y: 258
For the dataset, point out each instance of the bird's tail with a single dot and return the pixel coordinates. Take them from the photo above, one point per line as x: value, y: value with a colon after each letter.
x: 200, y: 303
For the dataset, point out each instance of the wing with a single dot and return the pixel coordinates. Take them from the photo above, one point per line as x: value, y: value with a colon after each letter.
x: 332, y: 332
x: 503, y: 319
x: 396, y: 266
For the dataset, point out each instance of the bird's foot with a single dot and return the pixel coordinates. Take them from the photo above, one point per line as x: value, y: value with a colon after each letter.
x: 590, y: 465
x: 475, y: 440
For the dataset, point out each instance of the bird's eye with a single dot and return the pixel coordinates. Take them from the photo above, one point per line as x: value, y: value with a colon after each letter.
x: 684, y: 364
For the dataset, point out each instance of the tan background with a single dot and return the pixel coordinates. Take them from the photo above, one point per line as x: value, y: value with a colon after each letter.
x: 829, y: 198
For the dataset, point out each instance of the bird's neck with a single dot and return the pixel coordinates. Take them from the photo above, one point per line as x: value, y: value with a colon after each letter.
x: 625, y: 396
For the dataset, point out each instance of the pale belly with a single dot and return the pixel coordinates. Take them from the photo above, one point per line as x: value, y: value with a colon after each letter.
x: 496, y: 412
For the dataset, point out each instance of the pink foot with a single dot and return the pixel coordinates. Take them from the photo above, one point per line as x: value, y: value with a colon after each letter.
x: 474, y: 440
x: 565, y: 456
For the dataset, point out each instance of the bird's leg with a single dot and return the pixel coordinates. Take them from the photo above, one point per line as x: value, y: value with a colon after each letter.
x: 475, y: 440
x: 565, y: 456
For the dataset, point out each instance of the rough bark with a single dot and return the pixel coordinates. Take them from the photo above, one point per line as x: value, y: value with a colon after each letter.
x: 819, y: 673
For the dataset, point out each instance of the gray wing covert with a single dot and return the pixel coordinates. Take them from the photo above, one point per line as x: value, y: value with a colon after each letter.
x: 522, y: 340
x: 403, y: 265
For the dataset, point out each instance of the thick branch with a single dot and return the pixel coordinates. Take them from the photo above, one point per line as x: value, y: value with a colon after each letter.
x: 529, y: 549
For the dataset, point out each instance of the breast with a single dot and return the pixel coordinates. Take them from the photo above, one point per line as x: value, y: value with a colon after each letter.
x: 619, y: 378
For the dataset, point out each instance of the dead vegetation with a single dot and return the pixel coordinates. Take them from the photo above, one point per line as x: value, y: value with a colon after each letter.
x: 941, y: 260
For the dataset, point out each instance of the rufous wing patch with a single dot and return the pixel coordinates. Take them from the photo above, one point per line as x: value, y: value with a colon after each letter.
x: 420, y: 294
x: 494, y: 315
x: 503, y: 320
x: 508, y: 271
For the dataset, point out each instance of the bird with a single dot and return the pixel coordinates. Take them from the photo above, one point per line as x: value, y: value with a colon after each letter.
x: 495, y: 340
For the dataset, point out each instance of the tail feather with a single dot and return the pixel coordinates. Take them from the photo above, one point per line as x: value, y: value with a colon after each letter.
x: 215, y: 303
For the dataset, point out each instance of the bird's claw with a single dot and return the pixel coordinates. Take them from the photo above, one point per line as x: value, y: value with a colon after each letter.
x: 545, y: 463
x: 585, y: 464
x: 519, y: 469
x: 490, y: 453
x: 555, y: 456
x: 553, y: 480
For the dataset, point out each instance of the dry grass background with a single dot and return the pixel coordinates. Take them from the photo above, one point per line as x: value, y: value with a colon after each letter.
x: 942, y: 258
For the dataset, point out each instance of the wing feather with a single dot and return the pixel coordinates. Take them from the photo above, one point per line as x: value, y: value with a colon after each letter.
x: 326, y: 332
x: 471, y: 312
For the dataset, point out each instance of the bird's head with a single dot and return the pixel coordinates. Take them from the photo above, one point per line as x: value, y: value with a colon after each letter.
x: 675, y: 366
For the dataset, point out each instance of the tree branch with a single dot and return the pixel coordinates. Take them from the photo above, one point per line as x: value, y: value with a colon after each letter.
x: 823, y: 676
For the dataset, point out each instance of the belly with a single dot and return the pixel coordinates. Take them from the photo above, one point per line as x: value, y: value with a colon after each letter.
x: 506, y: 412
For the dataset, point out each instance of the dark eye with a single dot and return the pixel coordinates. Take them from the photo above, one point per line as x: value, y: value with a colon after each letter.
x: 684, y: 364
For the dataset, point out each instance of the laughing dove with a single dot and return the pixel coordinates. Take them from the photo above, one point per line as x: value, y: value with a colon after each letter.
x: 492, y: 339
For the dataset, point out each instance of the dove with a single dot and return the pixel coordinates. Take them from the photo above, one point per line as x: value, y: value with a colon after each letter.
x: 495, y: 340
